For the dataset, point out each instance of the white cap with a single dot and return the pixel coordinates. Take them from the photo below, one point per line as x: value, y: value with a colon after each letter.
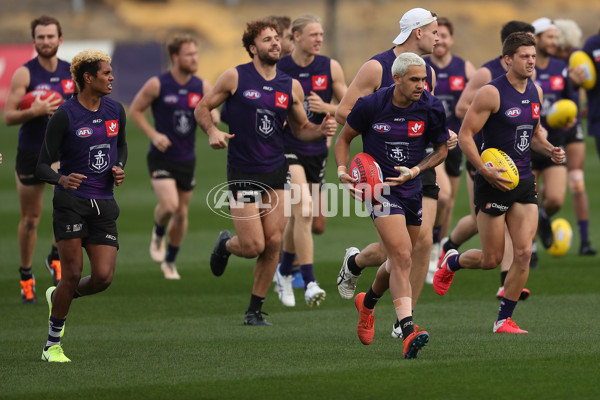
x: 413, y: 19
x: 542, y: 25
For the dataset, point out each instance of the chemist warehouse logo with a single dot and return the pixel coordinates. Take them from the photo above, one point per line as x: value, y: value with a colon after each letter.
x: 497, y: 206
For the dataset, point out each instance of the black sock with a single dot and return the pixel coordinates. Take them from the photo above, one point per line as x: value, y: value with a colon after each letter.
x: 503, y: 277
x: 450, y: 245
x: 371, y: 299
x: 355, y: 269
x: 53, y: 253
x: 256, y: 303
x: 407, y: 326
x: 26, y: 274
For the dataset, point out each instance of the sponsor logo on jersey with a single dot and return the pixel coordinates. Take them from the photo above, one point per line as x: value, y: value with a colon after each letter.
x: 68, y: 86
x: 427, y: 87
x: 535, y: 110
x: 170, y: 99
x: 194, y: 99
x: 319, y: 82
x: 84, y: 132
x: 43, y: 86
x: 112, y: 127
x: 381, y: 127
x: 557, y: 82
x: 596, y: 55
x: 457, y: 83
x: 252, y: 94
x: 281, y: 100
x: 525, y: 101
x: 415, y: 128
x: 513, y: 112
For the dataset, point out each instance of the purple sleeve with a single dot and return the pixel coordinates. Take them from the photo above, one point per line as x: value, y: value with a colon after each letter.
x: 360, y: 117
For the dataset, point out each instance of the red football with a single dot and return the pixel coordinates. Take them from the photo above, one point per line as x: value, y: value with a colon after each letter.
x: 364, y: 168
x: 29, y: 97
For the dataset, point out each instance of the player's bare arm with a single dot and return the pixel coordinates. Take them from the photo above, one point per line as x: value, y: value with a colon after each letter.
x: 367, y: 81
x: 342, y: 157
x: 301, y: 127
x: 477, y: 81
x: 216, y: 116
x: 225, y: 86
x: 141, y: 102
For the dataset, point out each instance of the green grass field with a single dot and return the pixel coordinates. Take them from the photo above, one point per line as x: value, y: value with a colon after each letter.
x: 148, y: 338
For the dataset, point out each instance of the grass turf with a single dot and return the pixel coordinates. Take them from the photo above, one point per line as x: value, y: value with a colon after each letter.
x: 150, y: 338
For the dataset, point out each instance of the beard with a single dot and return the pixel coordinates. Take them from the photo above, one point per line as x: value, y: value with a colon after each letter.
x: 266, y: 58
x: 47, y: 52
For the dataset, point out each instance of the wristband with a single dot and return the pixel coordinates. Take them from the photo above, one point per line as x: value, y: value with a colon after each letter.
x: 340, y: 173
x: 413, y: 174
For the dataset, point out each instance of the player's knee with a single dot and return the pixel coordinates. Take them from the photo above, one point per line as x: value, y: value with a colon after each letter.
x: 252, y: 248
x: 401, y: 258
x: 491, y: 261
x: 576, y: 181
x: 102, y: 281
x: 522, y: 255
x: 552, y: 205
x: 30, y: 222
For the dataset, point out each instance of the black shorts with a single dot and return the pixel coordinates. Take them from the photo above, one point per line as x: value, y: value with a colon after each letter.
x: 496, y: 202
x: 470, y: 169
x: 25, y: 167
x: 540, y: 162
x: 574, y: 135
x: 430, y: 186
x: 314, y: 166
x: 453, y: 162
x: 182, y: 172
x: 92, y: 220
x: 248, y: 188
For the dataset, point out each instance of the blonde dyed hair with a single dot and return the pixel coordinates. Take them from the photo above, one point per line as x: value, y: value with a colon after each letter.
x: 569, y: 34
x: 87, y: 61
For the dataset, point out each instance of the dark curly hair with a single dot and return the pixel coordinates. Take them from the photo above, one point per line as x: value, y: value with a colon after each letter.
x: 253, y: 29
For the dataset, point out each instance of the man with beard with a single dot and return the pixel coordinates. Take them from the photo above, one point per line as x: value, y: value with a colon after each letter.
x: 45, y: 71
x: 261, y: 98
x: 173, y: 97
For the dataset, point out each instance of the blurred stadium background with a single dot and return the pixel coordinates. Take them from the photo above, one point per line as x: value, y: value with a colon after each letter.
x: 133, y: 31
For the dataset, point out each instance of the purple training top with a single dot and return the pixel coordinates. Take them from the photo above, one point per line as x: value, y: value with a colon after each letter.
x: 510, y: 129
x: 555, y: 83
x: 90, y: 147
x: 31, y: 133
x: 450, y: 82
x: 257, y: 111
x: 173, y: 112
x: 592, y: 48
x: 386, y: 59
x: 396, y: 136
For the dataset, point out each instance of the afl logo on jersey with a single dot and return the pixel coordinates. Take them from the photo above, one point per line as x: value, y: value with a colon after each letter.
x: 84, y: 132
x: 170, y: 99
x: 513, y: 112
x: 382, y: 128
x: 252, y: 94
